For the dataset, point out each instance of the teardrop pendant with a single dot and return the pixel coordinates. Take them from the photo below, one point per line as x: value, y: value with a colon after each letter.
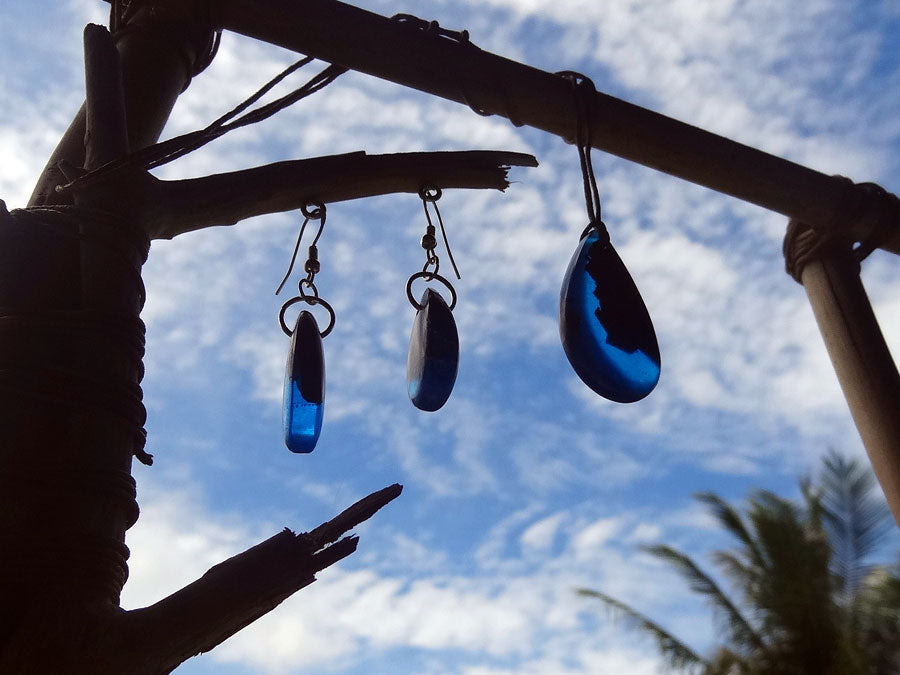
x: 433, y: 358
x: 604, y: 325
x: 304, y: 386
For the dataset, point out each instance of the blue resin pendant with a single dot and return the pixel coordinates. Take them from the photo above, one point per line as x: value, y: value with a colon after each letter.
x: 604, y: 325
x: 433, y: 353
x: 304, y: 386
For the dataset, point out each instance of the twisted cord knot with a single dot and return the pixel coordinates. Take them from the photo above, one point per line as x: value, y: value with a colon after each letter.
x: 860, y: 204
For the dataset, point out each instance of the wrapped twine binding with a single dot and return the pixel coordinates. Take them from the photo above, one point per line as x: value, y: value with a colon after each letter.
x: 71, y: 360
x: 804, y: 242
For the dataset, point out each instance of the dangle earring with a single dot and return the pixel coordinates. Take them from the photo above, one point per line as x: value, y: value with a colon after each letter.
x: 605, y: 328
x: 434, y: 343
x: 304, y: 378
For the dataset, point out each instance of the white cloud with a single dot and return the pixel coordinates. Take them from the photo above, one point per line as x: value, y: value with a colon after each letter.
x: 594, y: 536
x: 530, y: 618
x: 175, y: 541
x: 540, y: 535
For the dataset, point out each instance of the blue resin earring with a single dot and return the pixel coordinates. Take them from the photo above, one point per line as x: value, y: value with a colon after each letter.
x: 304, y: 378
x: 433, y: 358
x: 604, y: 326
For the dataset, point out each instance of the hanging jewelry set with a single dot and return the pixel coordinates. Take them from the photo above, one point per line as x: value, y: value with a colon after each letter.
x: 606, y: 331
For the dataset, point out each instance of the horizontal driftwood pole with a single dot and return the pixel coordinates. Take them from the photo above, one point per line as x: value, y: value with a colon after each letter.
x: 166, y: 209
x: 370, y: 43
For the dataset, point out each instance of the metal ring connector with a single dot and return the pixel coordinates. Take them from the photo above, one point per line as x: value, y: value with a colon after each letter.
x: 310, y: 285
x: 309, y: 300
x: 428, y: 276
x: 430, y: 194
x: 313, y: 210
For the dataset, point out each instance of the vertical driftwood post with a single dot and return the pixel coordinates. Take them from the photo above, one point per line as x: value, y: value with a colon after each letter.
x: 71, y: 348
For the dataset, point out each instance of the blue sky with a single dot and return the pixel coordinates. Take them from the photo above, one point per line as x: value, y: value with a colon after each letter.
x: 526, y: 484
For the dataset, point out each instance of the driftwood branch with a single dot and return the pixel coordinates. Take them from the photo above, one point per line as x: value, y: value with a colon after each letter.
x: 170, y: 208
x: 236, y: 592
x: 157, y: 53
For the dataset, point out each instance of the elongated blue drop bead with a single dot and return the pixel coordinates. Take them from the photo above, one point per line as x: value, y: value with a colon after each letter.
x: 605, y: 328
x: 304, y: 386
x: 433, y: 353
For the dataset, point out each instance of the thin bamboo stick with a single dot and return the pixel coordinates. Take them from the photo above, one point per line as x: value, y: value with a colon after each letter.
x: 862, y: 362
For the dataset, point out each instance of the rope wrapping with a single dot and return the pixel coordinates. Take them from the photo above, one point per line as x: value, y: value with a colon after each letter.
x: 71, y: 361
x: 860, y: 203
x: 90, y: 354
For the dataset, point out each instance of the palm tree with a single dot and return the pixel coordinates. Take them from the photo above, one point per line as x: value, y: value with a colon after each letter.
x: 804, y: 596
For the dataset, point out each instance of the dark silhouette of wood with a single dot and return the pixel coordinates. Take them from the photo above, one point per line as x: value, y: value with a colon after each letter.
x: 459, y: 71
x: 157, y: 53
x: 71, y: 418
x: 165, y: 209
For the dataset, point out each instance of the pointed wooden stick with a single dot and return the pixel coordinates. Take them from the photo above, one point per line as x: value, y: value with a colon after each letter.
x: 106, y: 135
x: 238, y: 591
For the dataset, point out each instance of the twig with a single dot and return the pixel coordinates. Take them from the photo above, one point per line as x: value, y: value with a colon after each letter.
x: 170, y: 208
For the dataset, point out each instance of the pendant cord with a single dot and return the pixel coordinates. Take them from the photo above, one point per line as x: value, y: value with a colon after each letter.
x: 169, y: 150
x: 584, y: 93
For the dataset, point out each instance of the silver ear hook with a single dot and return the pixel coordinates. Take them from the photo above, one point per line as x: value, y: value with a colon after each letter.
x: 311, y: 211
x: 431, y: 195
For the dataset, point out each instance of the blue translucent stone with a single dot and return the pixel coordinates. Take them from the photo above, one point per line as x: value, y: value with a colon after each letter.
x: 304, y: 386
x: 433, y: 353
x: 605, y: 328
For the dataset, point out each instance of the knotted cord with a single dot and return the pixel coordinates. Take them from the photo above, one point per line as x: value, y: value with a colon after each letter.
x: 804, y: 243
x: 585, y: 95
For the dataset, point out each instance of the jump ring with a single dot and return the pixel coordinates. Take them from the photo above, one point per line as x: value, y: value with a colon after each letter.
x: 429, y: 193
x: 313, y: 210
x: 428, y: 276
x: 309, y: 300
x: 432, y: 260
x: 314, y: 292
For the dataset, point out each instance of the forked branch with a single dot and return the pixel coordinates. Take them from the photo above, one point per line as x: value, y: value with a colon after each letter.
x: 236, y: 592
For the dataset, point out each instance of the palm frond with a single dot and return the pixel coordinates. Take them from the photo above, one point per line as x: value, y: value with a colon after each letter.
x: 732, y: 521
x: 876, y: 618
x: 676, y: 653
x: 741, y: 631
x: 726, y: 662
x: 744, y: 576
x: 795, y: 605
x: 857, y: 517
